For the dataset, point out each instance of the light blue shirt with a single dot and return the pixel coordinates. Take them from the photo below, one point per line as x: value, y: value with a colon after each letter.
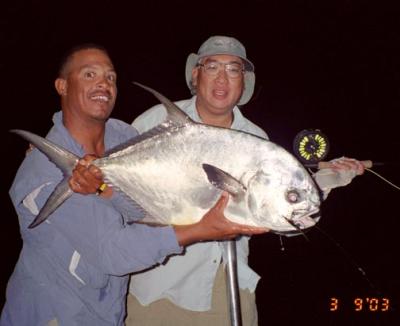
x: 187, y: 280
x: 74, y: 267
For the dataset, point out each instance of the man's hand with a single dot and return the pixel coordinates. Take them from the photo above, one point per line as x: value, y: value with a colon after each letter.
x: 345, y: 163
x: 214, y: 226
x: 338, y: 173
x: 87, y: 179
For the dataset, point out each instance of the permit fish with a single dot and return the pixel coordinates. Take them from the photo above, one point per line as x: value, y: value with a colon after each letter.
x: 176, y: 172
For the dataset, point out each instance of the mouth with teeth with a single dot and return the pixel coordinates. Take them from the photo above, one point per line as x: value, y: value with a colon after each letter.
x: 102, y: 98
x: 220, y: 92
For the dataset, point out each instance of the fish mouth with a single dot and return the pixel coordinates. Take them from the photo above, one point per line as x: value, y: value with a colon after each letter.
x: 304, y: 219
x: 302, y: 223
x: 314, y: 214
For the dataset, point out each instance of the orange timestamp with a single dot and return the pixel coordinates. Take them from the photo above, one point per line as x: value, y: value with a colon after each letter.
x: 363, y: 304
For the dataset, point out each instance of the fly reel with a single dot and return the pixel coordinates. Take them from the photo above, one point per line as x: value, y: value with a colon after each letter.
x: 310, y: 146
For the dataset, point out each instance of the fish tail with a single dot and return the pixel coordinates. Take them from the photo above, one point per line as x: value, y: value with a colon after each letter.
x: 57, y: 197
x: 64, y: 160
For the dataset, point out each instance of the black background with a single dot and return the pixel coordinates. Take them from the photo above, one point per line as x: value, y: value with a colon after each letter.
x: 332, y: 65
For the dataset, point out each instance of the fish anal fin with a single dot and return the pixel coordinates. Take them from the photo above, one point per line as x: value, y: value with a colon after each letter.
x: 148, y: 221
x: 224, y: 181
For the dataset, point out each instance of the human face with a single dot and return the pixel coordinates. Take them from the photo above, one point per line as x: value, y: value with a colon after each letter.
x: 217, y: 95
x: 88, y: 88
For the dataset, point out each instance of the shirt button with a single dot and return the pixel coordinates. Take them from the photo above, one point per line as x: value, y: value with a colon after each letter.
x: 214, y: 261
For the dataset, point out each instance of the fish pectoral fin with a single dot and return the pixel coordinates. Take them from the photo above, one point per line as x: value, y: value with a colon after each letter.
x: 224, y: 181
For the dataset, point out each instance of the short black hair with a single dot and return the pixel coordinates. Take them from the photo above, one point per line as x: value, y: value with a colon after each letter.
x: 69, y: 54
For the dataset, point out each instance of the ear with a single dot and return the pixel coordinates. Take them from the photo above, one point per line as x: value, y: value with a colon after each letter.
x: 195, y: 74
x: 61, y: 86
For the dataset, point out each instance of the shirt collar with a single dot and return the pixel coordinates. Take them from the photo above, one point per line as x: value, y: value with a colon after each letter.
x: 77, y: 148
x: 190, y: 108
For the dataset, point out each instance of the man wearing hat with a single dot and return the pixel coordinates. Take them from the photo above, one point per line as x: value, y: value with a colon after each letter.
x: 190, y: 289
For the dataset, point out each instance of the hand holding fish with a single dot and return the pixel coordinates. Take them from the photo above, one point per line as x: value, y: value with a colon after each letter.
x: 87, y: 179
x: 214, y: 226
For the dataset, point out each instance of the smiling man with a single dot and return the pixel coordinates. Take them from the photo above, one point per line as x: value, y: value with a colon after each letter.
x: 73, y: 268
x: 191, y: 288
x: 87, y: 86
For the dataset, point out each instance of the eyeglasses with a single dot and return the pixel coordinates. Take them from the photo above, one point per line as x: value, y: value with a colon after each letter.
x: 212, y: 68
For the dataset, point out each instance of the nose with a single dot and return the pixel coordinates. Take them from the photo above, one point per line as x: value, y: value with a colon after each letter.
x: 103, y: 82
x: 222, y: 76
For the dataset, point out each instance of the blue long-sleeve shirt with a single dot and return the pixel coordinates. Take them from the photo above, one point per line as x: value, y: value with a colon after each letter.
x: 73, y: 267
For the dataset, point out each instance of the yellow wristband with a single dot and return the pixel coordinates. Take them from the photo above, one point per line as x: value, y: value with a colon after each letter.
x: 101, y: 189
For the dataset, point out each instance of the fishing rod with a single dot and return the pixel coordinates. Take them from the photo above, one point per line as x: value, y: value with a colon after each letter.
x: 311, y: 147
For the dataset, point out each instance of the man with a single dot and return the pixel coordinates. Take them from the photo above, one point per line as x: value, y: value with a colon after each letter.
x: 190, y: 288
x: 72, y: 268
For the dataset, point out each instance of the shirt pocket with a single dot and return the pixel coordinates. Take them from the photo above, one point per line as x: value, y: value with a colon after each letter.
x: 85, y: 274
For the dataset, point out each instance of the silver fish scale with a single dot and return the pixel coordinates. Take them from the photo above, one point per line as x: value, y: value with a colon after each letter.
x: 164, y: 175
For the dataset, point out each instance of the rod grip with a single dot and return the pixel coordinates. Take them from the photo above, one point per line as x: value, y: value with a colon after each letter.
x: 326, y: 165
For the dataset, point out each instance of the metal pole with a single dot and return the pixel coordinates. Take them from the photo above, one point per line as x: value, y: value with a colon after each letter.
x: 232, y: 284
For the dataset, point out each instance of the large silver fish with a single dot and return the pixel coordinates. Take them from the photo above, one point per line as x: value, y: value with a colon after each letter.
x: 177, y: 170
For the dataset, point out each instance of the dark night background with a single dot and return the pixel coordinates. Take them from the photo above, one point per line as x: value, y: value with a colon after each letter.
x: 332, y: 65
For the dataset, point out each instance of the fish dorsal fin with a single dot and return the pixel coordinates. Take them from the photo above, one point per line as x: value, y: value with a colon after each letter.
x: 224, y: 181
x: 175, y: 118
x: 174, y: 114
x: 157, y: 130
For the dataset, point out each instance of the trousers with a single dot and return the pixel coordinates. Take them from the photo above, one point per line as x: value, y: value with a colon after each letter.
x: 164, y: 313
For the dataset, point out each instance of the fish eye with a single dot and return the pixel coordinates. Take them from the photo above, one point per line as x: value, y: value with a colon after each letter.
x: 292, y: 196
